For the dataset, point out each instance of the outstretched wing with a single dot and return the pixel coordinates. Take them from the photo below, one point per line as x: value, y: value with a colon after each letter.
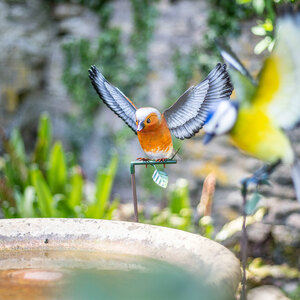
x: 278, y: 92
x: 113, y: 98
x: 188, y: 114
x: 244, y: 84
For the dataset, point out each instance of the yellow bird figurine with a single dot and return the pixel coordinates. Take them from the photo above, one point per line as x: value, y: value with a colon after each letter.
x: 257, y: 122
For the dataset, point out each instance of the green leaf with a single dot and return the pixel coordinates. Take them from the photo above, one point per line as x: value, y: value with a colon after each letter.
x: 259, y: 6
x: 160, y: 178
x: 262, y: 45
x: 57, y: 169
x: 44, y: 197
x: 258, y: 30
x: 15, y: 168
x: 76, y: 188
x: 18, y: 144
x: 268, y: 25
x: 44, y: 140
x: 251, y: 204
x: 26, y: 209
x: 105, y: 179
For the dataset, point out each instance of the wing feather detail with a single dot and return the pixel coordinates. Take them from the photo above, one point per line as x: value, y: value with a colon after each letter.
x: 188, y: 114
x: 113, y: 98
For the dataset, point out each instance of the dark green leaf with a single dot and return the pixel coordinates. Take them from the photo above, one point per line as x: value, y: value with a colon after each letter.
x: 43, y: 141
x: 44, y: 197
x: 76, y: 188
x: 57, y: 169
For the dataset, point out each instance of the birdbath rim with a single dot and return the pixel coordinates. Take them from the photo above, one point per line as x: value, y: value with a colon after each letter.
x: 192, y: 252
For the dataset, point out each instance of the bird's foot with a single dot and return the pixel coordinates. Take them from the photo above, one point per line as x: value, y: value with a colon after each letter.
x: 143, y: 159
x: 162, y: 160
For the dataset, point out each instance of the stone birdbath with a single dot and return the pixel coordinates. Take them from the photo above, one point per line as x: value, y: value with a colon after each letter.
x: 39, y: 250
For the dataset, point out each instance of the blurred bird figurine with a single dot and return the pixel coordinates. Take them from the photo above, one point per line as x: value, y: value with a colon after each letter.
x: 183, y: 119
x: 256, y: 122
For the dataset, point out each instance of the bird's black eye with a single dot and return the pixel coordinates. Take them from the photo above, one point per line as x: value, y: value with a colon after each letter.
x: 148, y: 120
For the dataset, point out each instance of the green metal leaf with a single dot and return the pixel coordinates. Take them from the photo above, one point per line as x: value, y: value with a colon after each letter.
x: 57, y: 169
x: 160, y: 178
x: 251, y: 204
x: 44, y: 197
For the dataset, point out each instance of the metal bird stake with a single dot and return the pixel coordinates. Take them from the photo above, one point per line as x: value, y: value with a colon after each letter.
x: 159, y: 177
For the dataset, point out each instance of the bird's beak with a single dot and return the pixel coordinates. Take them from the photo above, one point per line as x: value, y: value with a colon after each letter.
x: 207, y: 138
x: 140, y: 126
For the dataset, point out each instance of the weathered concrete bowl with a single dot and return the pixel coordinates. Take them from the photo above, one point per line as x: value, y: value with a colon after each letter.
x: 98, y: 238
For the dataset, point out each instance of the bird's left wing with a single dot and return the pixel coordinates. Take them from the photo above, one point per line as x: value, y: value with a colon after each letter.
x: 278, y: 92
x: 113, y: 98
x: 188, y: 114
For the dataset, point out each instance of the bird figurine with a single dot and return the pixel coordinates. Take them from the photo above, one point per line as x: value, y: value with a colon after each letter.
x: 183, y: 119
x: 266, y: 108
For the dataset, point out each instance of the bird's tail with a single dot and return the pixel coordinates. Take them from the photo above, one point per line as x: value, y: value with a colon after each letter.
x: 296, y: 178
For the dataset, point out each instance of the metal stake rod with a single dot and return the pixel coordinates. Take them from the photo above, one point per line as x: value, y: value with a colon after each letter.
x: 133, y: 183
x: 244, y: 246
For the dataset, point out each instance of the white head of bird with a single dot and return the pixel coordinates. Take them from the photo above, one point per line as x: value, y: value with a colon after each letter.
x: 147, y: 117
x: 221, y: 120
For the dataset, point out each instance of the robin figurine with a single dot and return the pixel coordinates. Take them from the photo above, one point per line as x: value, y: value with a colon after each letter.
x: 183, y: 119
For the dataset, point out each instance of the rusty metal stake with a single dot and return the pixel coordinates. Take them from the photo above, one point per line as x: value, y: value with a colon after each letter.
x: 133, y: 183
x: 244, y: 245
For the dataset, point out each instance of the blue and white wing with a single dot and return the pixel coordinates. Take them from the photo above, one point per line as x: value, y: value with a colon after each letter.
x: 189, y: 113
x: 113, y: 98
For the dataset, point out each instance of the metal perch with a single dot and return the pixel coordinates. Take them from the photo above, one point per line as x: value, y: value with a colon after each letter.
x: 133, y: 183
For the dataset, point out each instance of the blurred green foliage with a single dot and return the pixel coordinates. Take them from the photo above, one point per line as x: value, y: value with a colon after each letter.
x: 79, y: 56
x: 179, y: 213
x: 265, y: 10
x: 46, y: 184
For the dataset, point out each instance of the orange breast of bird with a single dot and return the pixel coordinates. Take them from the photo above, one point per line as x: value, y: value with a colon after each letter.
x: 156, y: 142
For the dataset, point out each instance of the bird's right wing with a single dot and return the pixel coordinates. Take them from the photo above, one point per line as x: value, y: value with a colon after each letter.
x: 243, y: 83
x: 279, y: 85
x: 113, y: 98
x: 189, y: 113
